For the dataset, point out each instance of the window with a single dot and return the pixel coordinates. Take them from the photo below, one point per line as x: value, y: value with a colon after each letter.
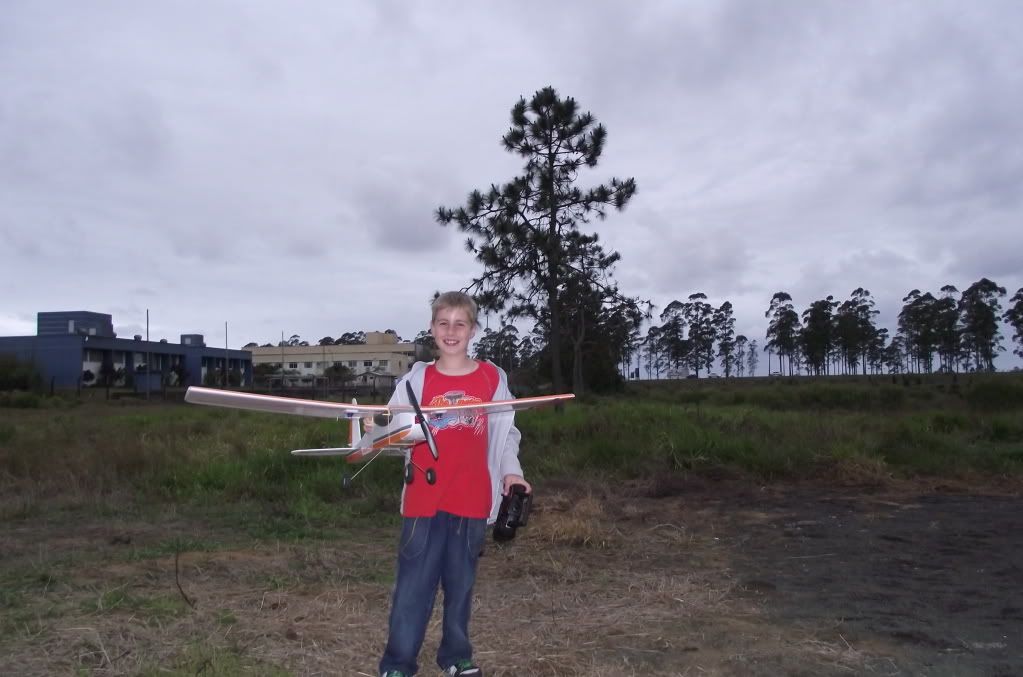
x: 339, y: 364
x: 292, y: 365
x: 351, y: 363
x: 367, y: 363
x: 308, y: 365
x: 382, y: 363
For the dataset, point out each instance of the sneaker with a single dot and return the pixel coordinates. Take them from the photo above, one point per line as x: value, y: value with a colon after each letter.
x: 465, y: 668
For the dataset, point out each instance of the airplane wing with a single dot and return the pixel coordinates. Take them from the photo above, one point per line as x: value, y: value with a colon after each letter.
x: 280, y: 405
x: 323, y: 409
x: 499, y: 407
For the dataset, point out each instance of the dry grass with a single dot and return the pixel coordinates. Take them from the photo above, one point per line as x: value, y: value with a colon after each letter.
x: 574, y: 594
x: 600, y: 583
x: 580, y: 522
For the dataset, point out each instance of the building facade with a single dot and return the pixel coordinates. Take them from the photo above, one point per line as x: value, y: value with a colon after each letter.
x: 376, y: 364
x: 79, y: 348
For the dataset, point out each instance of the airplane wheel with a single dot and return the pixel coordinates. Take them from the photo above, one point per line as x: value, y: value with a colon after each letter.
x: 431, y: 476
x: 346, y: 481
x: 410, y: 473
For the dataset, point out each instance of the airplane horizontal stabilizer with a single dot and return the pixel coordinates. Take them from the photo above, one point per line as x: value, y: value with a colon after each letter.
x: 330, y: 451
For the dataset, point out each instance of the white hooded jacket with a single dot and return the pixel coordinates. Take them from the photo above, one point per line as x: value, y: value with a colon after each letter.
x: 502, y: 435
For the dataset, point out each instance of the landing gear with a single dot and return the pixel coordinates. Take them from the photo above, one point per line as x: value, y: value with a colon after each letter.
x: 410, y: 473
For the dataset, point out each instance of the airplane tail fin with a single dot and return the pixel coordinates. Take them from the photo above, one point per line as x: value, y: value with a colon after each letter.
x: 355, y: 429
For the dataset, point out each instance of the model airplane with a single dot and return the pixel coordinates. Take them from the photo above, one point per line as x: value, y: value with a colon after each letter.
x: 396, y: 429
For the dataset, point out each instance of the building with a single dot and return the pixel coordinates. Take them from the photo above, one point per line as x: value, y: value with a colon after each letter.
x: 375, y: 364
x: 80, y: 348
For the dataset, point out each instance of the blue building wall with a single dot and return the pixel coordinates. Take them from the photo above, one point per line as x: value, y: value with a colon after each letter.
x: 78, y: 322
x: 57, y: 358
x: 60, y: 357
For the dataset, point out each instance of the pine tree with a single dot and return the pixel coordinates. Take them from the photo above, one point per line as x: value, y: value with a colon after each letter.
x: 526, y: 232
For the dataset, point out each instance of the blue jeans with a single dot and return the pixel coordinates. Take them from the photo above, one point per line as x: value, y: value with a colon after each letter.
x: 443, y: 549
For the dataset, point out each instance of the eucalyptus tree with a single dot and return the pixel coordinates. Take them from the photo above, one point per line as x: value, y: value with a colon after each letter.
x: 629, y: 339
x: 848, y: 338
x: 782, y: 331
x: 500, y: 346
x: 617, y: 329
x: 530, y: 346
x: 351, y: 338
x: 741, y: 344
x: 724, y: 333
x: 918, y: 325
x: 816, y: 334
x: 525, y: 232
x: 753, y: 358
x: 1014, y: 316
x: 796, y: 359
x: 875, y: 357
x: 596, y: 317
x: 653, y: 351
x: 895, y: 355
x: 855, y: 329
x: 979, y: 312
x: 865, y: 312
x: 672, y: 334
x: 699, y: 316
x: 949, y: 338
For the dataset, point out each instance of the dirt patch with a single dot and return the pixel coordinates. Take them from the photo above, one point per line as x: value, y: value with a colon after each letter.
x: 706, y: 578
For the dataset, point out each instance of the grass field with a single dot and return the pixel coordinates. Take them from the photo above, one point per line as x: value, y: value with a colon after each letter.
x: 127, y: 520
x: 62, y: 452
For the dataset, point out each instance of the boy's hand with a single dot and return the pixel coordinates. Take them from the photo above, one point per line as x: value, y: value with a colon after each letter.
x: 509, y: 480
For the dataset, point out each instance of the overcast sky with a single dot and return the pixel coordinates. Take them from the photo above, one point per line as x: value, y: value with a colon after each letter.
x: 276, y: 165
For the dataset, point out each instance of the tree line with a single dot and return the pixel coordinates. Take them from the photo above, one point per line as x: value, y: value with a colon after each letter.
x: 952, y: 332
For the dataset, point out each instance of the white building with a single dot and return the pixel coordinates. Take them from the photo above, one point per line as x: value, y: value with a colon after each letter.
x: 377, y: 363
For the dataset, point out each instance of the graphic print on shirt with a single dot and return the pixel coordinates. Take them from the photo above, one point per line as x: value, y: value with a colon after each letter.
x: 454, y: 420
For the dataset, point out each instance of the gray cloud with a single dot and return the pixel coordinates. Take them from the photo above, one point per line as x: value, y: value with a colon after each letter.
x: 278, y: 167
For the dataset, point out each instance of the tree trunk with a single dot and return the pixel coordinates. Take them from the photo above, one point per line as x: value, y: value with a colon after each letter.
x: 577, y: 355
x: 555, y: 340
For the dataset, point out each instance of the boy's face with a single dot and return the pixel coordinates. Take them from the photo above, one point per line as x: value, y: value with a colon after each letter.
x: 452, y: 330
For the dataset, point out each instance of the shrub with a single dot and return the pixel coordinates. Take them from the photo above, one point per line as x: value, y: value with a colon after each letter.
x: 995, y: 394
x: 18, y: 375
x: 20, y: 400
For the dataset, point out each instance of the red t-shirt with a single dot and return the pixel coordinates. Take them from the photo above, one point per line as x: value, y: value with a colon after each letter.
x: 463, y: 480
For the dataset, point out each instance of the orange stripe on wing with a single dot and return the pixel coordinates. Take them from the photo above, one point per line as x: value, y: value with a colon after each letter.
x: 357, y: 456
x: 384, y: 442
x: 393, y: 438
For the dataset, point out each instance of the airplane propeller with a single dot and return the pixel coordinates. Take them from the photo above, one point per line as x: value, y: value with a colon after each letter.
x: 422, y: 420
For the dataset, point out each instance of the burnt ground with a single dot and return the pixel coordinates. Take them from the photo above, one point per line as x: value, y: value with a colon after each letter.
x: 707, y: 578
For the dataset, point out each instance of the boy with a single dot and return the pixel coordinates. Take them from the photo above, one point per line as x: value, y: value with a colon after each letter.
x: 444, y: 523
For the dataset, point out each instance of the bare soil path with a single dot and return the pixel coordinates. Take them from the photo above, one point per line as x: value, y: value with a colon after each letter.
x: 717, y: 578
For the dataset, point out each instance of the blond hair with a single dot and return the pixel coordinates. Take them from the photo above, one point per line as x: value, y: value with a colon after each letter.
x: 455, y: 299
